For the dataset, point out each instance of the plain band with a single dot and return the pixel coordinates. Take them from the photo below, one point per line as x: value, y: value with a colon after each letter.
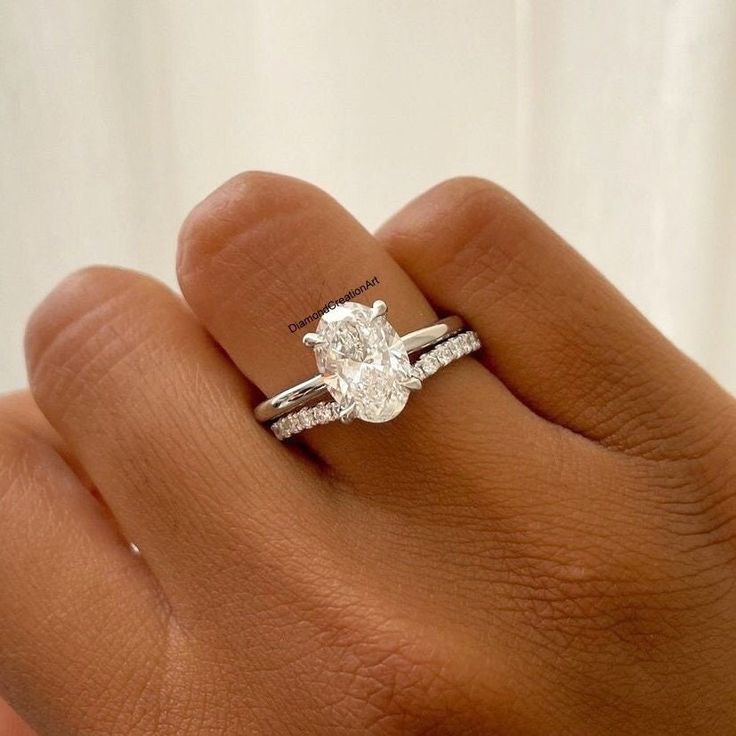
x: 314, y: 389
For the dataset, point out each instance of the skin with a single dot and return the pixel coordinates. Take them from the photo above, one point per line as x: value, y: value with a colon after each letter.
x: 542, y: 543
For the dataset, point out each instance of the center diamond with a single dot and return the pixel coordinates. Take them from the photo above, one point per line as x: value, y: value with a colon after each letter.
x: 363, y: 362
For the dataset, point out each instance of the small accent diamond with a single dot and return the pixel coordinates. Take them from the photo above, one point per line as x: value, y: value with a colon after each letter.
x: 443, y: 354
x: 430, y: 364
x: 456, y: 347
x: 321, y: 414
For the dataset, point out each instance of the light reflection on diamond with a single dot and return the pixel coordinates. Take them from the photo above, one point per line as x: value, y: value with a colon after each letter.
x: 363, y: 362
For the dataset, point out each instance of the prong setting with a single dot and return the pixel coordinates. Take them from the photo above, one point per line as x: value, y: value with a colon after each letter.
x: 347, y: 414
x: 312, y: 339
x: 378, y: 309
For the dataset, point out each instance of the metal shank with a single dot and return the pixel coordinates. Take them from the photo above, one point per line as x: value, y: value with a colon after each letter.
x: 314, y: 389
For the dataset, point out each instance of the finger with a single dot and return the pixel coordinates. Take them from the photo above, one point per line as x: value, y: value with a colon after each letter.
x: 265, y: 250
x: 557, y: 333
x: 73, y: 598
x: 158, y: 416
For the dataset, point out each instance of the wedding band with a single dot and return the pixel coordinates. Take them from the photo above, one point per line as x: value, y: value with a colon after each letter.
x: 365, y: 368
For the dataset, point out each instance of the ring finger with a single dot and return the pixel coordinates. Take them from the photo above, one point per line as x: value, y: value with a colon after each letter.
x: 263, y: 251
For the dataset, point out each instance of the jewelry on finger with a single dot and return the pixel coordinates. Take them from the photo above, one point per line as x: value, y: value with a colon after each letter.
x: 365, y: 368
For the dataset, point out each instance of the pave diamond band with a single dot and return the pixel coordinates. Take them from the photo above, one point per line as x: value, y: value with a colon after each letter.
x: 442, y: 354
x: 306, y: 418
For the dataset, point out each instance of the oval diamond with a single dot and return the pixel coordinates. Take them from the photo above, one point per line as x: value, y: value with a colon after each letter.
x: 363, y: 362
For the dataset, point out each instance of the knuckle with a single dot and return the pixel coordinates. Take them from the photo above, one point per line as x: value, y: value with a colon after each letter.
x: 487, y: 237
x: 484, y: 207
x: 406, y: 683
x: 242, y: 213
x: 629, y: 597
x: 696, y: 470
x: 83, y: 328
x: 475, y: 190
x: 394, y: 674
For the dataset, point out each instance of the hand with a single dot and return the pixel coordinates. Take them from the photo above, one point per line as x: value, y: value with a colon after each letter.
x: 543, y: 542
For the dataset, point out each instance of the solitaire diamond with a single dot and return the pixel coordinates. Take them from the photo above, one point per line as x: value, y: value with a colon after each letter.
x: 363, y: 362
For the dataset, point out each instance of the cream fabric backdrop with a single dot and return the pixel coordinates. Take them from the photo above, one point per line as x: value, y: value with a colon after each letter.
x: 615, y: 120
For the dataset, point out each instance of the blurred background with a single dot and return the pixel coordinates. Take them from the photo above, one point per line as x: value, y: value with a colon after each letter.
x: 615, y: 120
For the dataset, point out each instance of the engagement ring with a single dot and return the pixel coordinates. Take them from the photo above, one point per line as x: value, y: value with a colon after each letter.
x: 365, y: 368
